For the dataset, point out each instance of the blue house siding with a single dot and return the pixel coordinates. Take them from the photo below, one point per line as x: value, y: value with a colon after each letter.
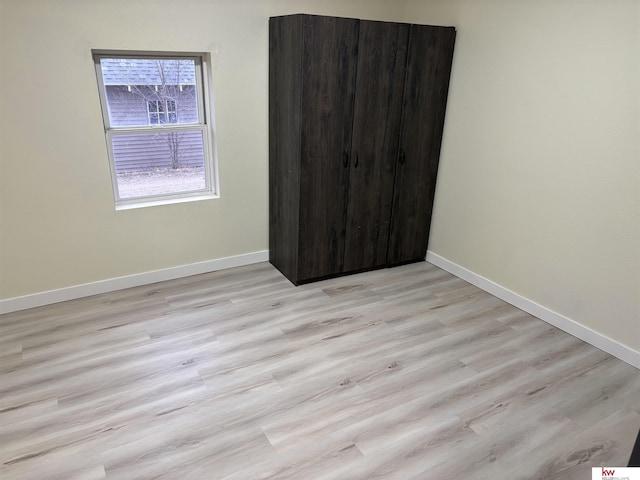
x: 129, y: 108
x: 149, y: 151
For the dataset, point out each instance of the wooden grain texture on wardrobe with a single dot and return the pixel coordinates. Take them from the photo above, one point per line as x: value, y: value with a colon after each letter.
x: 404, y: 373
x: 382, y: 58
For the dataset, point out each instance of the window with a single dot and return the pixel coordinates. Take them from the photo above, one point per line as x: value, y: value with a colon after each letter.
x: 158, y: 127
x: 162, y: 112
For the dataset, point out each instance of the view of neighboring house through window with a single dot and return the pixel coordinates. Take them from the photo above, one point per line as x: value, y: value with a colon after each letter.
x: 157, y: 125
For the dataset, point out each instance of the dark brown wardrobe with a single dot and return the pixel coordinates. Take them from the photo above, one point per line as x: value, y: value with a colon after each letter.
x: 356, y: 112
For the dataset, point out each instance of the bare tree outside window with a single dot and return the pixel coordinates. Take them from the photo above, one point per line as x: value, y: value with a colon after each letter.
x: 171, y: 100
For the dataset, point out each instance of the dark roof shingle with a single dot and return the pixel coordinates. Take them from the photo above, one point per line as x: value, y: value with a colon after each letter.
x: 133, y: 71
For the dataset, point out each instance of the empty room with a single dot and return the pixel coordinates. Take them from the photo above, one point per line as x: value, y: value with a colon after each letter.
x: 329, y: 239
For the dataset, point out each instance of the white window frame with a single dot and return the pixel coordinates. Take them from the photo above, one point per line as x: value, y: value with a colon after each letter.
x: 205, y: 124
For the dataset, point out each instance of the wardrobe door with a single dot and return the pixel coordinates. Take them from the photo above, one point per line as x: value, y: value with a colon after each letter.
x: 429, y: 60
x: 382, y: 53
x: 328, y: 79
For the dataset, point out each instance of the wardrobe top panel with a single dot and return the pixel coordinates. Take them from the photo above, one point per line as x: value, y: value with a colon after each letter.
x: 359, y: 19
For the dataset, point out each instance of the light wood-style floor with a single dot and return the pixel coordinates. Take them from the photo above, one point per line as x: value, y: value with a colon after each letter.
x: 405, y: 373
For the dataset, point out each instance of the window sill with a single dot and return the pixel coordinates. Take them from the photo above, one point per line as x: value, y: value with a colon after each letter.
x: 143, y: 203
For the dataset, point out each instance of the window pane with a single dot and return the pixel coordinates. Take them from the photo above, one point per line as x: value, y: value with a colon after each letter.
x: 134, y: 86
x: 172, y: 117
x: 159, y: 163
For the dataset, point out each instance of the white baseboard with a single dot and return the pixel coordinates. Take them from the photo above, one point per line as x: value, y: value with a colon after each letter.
x: 119, y: 283
x: 572, y: 327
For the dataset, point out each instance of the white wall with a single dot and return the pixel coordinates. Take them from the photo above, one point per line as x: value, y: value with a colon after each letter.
x: 540, y: 172
x: 58, y: 226
x: 539, y: 185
